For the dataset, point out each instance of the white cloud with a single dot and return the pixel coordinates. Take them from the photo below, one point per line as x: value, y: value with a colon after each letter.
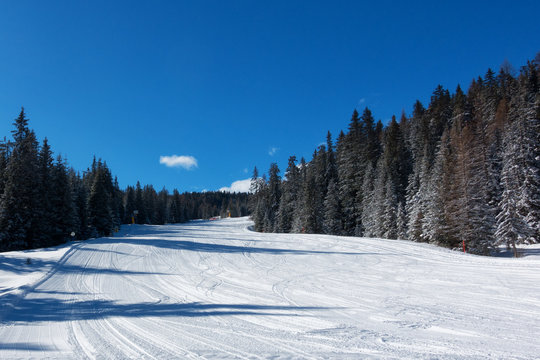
x: 273, y: 151
x: 361, y: 101
x: 187, y: 162
x: 238, y: 186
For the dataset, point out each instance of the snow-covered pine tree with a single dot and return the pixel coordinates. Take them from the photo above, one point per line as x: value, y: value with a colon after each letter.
x: 378, y: 200
x: 401, y: 222
x: 298, y: 222
x: 434, y: 223
x: 332, y: 211
x: 274, y: 196
x: 331, y: 165
x: 310, y: 213
x: 529, y: 152
x: 289, y: 197
x: 390, y: 215
x: 369, y: 222
x: 260, y: 200
x: 349, y: 160
x: 512, y: 228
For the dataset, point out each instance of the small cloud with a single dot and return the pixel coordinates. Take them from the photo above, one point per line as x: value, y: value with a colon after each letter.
x: 361, y: 101
x: 187, y: 162
x: 245, y: 170
x: 238, y: 186
x: 273, y: 151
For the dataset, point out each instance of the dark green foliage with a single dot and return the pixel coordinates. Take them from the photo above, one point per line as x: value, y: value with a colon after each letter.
x: 45, y: 227
x: 290, y: 191
x: 100, y: 213
x: 18, y: 218
x: 62, y: 204
x: 80, y: 193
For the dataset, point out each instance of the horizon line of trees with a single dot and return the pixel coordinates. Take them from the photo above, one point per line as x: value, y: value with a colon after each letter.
x: 464, y: 170
x: 44, y: 202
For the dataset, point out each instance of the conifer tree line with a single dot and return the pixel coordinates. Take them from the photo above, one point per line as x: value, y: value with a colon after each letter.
x: 464, y: 170
x: 44, y: 202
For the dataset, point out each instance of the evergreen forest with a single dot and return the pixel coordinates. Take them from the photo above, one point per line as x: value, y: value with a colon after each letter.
x: 45, y: 202
x: 463, y: 172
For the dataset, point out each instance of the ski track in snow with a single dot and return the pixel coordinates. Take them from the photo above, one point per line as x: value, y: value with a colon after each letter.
x: 218, y: 290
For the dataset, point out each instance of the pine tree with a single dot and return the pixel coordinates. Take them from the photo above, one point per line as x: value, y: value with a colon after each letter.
x: 62, y: 205
x: 4, y: 159
x: 17, y: 217
x: 259, y: 200
x: 401, y: 222
x: 289, y: 197
x: 309, y: 215
x: 349, y: 162
x: 434, y: 222
x: 81, y: 207
x: 368, y: 219
x: 140, y: 208
x: 332, y: 211
x: 331, y: 165
x: 150, y: 205
x: 162, y: 207
x: 179, y: 208
x: 274, y: 196
x: 378, y: 205
x: 416, y: 200
x: 117, y: 205
x: 45, y: 226
x: 99, y: 209
x: 299, y: 218
x: 130, y: 206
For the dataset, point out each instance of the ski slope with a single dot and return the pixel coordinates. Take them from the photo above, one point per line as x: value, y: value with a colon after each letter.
x: 218, y: 290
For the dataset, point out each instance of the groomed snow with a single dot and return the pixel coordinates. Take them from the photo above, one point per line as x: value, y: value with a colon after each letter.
x: 218, y: 290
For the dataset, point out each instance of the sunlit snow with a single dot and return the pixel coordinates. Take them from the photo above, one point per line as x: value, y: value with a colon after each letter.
x: 218, y: 290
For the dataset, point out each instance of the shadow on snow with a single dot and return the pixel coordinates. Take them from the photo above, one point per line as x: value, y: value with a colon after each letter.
x: 30, y: 310
x: 18, y: 265
x: 25, y: 346
x: 190, y: 244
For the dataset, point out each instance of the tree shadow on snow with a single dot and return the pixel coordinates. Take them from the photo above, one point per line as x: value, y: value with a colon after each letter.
x: 24, y: 346
x: 20, y: 266
x: 31, y: 310
x: 191, y: 245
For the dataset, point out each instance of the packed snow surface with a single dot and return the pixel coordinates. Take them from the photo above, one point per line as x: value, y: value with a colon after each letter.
x: 219, y: 290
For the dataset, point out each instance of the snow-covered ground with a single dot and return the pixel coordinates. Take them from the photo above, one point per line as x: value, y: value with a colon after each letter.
x: 218, y: 290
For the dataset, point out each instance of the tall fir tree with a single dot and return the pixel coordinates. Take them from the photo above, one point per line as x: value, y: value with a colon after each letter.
x: 18, y: 219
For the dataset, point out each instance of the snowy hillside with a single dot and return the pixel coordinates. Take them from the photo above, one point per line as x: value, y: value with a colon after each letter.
x: 218, y: 290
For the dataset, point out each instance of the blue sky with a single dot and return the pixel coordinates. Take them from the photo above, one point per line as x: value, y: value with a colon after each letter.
x: 228, y: 85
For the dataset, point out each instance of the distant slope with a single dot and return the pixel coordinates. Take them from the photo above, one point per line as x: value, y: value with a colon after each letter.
x: 216, y: 289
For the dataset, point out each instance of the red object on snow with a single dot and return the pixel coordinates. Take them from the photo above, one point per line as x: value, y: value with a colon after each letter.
x: 464, y: 246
